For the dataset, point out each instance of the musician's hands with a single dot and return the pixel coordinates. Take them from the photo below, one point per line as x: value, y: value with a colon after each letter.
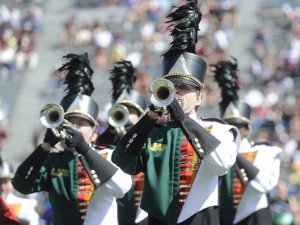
x: 50, y: 138
x: 160, y: 113
x: 76, y: 140
x: 156, y: 110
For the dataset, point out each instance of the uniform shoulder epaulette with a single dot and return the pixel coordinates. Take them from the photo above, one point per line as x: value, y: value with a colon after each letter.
x: 253, y: 143
x: 211, y: 119
x: 104, y: 146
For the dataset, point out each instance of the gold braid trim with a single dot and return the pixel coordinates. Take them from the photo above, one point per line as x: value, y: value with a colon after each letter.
x: 132, y: 104
x: 81, y: 114
x: 245, y: 119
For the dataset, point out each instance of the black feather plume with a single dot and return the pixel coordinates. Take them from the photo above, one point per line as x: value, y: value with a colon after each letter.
x: 122, y: 77
x: 79, y: 74
x: 185, y: 21
x: 225, y: 74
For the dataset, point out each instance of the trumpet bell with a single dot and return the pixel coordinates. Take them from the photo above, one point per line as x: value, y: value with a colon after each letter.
x: 118, y: 115
x: 52, y: 115
x: 161, y: 92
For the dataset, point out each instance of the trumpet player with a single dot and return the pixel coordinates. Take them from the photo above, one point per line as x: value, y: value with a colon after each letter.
x: 182, y: 158
x: 245, y: 187
x: 128, y: 106
x: 82, y: 182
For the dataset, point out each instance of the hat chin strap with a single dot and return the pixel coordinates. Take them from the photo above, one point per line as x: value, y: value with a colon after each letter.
x: 180, y: 100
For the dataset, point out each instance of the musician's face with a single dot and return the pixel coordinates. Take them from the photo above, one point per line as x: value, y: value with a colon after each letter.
x: 85, y: 127
x: 189, y: 97
x: 133, y: 115
x: 6, y: 186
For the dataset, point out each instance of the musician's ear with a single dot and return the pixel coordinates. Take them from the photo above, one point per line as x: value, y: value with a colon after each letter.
x: 94, y: 136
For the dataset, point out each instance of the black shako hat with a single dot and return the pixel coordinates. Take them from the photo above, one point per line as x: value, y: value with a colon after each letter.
x: 78, y: 101
x: 123, y: 77
x: 232, y: 109
x: 238, y: 113
x: 225, y: 74
x: 181, y: 64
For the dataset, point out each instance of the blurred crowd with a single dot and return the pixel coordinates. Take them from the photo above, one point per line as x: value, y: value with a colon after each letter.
x: 19, y: 26
x: 270, y: 86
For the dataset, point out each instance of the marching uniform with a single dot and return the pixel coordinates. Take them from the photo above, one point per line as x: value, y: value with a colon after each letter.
x: 131, y: 102
x: 249, y: 197
x: 129, y: 211
x: 56, y: 173
x: 183, y: 158
x: 178, y: 184
x: 256, y: 172
x: 103, y: 206
x: 243, y: 190
x: 78, y: 174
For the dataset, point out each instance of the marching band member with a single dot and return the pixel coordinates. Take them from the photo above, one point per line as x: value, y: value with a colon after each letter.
x: 181, y: 155
x: 75, y: 173
x: 244, y: 189
x: 128, y: 106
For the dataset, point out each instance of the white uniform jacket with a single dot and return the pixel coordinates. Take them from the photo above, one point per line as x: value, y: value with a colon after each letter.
x: 102, y: 209
x: 267, y: 160
x: 204, y: 190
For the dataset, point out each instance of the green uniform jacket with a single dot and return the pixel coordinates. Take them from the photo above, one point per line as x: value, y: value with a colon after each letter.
x: 226, y: 197
x: 162, y: 171
x: 55, y: 173
x: 126, y: 208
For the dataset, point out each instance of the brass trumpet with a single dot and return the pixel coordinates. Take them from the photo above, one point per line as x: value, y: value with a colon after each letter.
x: 161, y: 92
x: 118, y: 116
x: 52, y: 117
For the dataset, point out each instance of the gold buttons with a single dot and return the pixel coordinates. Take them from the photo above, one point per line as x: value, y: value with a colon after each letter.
x: 243, y: 172
x: 97, y: 181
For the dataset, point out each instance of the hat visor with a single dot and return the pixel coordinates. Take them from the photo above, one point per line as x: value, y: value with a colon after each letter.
x: 6, y: 176
x: 237, y: 122
x: 183, y: 80
x: 87, y: 117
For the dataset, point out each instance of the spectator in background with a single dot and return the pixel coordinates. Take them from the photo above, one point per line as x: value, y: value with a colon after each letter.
x: 3, y: 135
x: 44, y: 209
x: 292, y: 151
x: 6, y: 216
x: 22, y: 208
x: 7, y: 59
x: 284, y: 206
x: 27, y: 57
